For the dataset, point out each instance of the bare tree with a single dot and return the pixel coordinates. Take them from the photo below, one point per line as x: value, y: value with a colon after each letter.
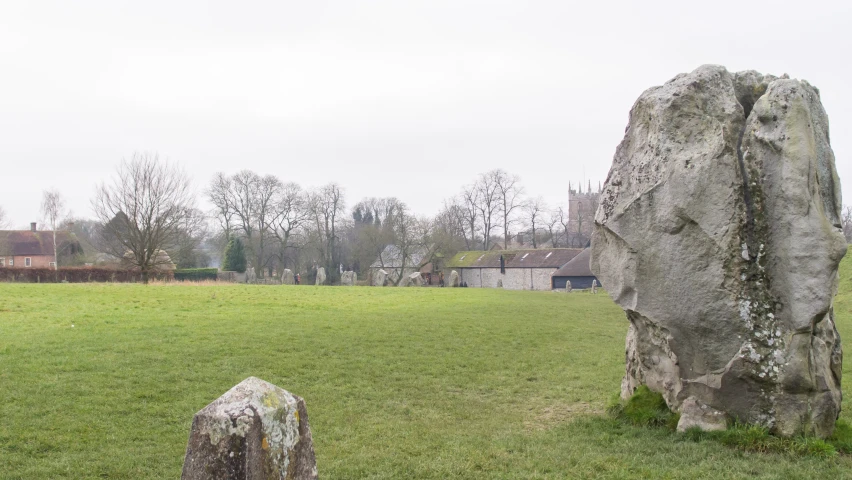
x: 487, y: 205
x: 448, y: 228
x: 562, y: 215
x: 846, y: 222
x: 4, y: 219
x: 53, y: 211
x: 247, y: 202
x: 193, y: 230
x: 220, y: 195
x: 326, y: 205
x: 534, y: 211
x: 551, y: 220
x: 509, y: 193
x: 265, y: 198
x: 407, y: 237
x: 290, y: 214
x: 141, y: 211
x: 470, y: 212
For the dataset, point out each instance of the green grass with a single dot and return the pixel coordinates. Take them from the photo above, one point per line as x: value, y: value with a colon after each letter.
x: 648, y: 409
x: 399, y: 383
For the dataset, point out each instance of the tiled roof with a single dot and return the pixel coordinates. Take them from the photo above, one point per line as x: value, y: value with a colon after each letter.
x: 578, y: 266
x: 27, y: 242
x: 391, y: 257
x: 540, y: 258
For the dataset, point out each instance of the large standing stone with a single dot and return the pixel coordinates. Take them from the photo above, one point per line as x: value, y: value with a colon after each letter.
x: 718, y: 233
x: 348, y: 279
x: 454, y: 279
x: 287, y: 277
x: 254, y: 431
x: 320, y: 276
x: 381, y: 278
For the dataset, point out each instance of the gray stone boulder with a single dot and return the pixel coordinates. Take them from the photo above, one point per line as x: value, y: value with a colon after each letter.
x: 251, y: 276
x: 568, y: 286
x: 255, y: 430
x: 718, y: 232
x: 454, y: 279
x: 412, y: 280
x: 348, y: 279
x: 287, y: 277
x: 381, y: 278
x: 320, y: 276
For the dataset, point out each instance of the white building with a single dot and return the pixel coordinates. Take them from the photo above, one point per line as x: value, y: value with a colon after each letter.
x: 514, y: 269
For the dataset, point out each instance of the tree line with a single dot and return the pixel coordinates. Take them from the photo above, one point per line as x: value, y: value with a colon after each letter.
x: 147, y: 215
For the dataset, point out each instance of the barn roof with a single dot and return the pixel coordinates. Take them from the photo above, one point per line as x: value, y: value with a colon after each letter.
x: 541, y: 258
x: 578, y: 266
x: 391, y: 257
x: 27, y: 242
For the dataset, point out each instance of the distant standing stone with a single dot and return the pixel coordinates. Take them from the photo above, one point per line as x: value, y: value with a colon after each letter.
x: 287, y: 278
x: 381, y: 278
x: 567, y: 286
x: 594, y: 286
x: 254, y: 431
x: 413, y: 280
x: 348, y: 278
x: 251, y: 276
x: 320, y: 276
x: 454, y: 279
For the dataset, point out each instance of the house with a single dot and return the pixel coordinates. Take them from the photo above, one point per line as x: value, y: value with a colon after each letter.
x: 34, y: 249
x: 513, y: 269
x: 577, y: 271
x: 391, y: 261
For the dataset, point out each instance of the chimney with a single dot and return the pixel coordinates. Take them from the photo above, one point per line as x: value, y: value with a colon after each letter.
x: 33, y: 226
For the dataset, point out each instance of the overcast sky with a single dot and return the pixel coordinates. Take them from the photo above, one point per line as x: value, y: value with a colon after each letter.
x: 387, y: 98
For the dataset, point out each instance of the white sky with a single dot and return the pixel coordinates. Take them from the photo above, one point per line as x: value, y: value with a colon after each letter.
x: 388, y: 98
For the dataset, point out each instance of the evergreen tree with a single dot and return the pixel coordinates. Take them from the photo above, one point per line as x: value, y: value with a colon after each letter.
x: 235, y: 257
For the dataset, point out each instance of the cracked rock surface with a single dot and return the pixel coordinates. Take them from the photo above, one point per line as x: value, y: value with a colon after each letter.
x: 718, y: 233
x: 255, y: 431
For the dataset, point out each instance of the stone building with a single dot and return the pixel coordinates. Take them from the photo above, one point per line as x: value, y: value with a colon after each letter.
x: 581, y: 214
x: 513, y: 269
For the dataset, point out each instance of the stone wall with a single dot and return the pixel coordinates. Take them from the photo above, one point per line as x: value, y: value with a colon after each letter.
x: 513, y: 279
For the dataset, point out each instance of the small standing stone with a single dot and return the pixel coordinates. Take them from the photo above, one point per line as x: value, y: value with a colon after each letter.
x: 567, y: 286
x: 320, y: 276
x: 348, y: 278
x: 287, y: 278
x: 594, y: 286
x: 413, y: 280
x: 254, y: 431
x: 251, y: 276
x: 381, y: 278
x: 454, y: 279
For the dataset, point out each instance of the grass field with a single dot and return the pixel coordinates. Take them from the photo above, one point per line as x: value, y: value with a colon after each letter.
x: 102, y: 381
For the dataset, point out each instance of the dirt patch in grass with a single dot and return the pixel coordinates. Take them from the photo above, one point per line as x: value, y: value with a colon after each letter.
x: 545, y: 418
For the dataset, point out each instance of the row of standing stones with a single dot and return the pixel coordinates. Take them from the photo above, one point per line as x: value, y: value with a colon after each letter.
x: 718, y: 233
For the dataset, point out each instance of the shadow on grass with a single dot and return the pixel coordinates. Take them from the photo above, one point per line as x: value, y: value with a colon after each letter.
x: 648, y: 409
